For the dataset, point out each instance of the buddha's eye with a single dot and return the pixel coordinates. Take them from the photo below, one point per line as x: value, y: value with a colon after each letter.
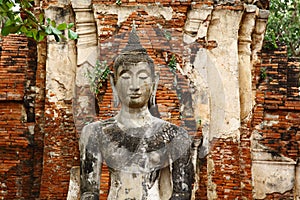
x: 143, y: 76
x: 125, y: 76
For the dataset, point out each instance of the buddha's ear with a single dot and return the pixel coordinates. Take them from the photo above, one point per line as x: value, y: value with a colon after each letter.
x: 115, y: 93
x: 154, y: 89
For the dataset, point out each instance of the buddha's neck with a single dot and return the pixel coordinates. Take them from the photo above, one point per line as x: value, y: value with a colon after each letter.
x: 132, y: 118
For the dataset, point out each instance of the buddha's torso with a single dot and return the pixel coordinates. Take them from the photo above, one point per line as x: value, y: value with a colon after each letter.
x: 136, y: 156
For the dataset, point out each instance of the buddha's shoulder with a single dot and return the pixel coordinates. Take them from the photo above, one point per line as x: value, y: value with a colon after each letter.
x: 166, y: 126
x: 97, y: 126
x: 168, y: 131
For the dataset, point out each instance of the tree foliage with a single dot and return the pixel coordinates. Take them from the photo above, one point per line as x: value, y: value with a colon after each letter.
x: 16, y: 16
x: 284, y: 26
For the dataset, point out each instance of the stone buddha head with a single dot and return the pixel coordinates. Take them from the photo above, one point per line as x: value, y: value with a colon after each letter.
x: 135, y: 81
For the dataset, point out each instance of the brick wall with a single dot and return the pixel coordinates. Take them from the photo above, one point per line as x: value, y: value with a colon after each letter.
x: 17, y: 81
x: 277, y: 112
x: 278, y: 102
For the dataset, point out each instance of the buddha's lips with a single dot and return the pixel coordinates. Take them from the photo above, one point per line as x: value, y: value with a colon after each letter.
x: 135, y: 95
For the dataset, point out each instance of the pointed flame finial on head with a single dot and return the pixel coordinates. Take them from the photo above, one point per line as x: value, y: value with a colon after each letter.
x: 133, y: 52
x: 133, y: 45
x: 134, y: 26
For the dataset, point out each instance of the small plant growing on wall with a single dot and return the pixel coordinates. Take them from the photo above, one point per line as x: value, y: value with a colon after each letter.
x: 98, y: 76
x: 167, y: 35
x: 173, y: 64
x: 118, y: 2
x: 263, y: 73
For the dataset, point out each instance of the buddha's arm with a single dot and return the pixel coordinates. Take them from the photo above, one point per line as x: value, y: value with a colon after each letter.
x: 182, y: 177
x: 182, y: 167
x: 90, y: 164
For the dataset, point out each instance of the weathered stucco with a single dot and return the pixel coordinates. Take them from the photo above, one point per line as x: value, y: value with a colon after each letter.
x: 61, y: 61
x: 271, y: 174
x: 225, y: 22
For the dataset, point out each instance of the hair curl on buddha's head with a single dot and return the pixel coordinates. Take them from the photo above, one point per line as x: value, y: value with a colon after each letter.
x: 133, y: 53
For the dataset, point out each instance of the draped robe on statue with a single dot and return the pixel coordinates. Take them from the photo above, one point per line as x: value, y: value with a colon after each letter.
x: 150, y: 162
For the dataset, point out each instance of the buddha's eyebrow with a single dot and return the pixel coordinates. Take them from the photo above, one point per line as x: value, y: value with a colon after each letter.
x: 143, y: 71
x: 123, y: 72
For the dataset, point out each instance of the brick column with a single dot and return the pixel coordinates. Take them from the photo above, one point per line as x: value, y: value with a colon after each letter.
x: 60, y: 139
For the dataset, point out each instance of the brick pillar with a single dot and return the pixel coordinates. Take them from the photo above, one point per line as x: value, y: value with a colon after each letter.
x: 60, y: 138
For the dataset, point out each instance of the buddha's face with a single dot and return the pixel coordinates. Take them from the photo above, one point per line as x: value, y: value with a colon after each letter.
x: 134, y: 84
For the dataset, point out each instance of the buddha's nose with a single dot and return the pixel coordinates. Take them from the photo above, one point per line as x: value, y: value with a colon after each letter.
x: 134, y: 86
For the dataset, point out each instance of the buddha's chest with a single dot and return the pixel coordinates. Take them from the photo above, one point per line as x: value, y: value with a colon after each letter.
x: 142, y: 149
x: 132, y: 152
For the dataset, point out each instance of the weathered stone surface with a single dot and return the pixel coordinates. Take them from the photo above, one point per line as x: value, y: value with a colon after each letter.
x: 60, y: 75
x: 225, y: 122
x: 258, y: 34
x: 135, y: 145
x: 197, y: 23
x: 84, y: 103
x: 59, y: 131
x: 87, y: 50
x: 245, y: 65
x: 74, y: 185
x: 271, y: 174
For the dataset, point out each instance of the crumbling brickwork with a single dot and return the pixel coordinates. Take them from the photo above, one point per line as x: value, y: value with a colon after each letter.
x: 17, y: 96
x: 276, y: 116
x: 278, y: 102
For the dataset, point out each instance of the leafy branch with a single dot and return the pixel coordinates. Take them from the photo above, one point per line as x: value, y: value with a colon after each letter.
x: 98, y: 76
x: 284, y: 26
x: 16, y: 16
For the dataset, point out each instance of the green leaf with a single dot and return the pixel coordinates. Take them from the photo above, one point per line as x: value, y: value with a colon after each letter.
x: 55, y: 31
x: 34, y: 34
x: 31, y: 15
x: 41, y: 18
x: 29, y: 34
x: 23, y: 29
x: 9, y: 22
x: 30, y: 25
x: 72, y: 35
x: 9, y: 29
x: 62, y: 27
x: 5, y: 31
x: 41, y: 35
x: 9, y: 4
x: 32, y: 22
x: 48, y: 30
x: 53, y: 23
x: 70, y: 25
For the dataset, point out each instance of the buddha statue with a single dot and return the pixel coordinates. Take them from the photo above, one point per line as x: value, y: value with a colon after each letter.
x: 148, y: 158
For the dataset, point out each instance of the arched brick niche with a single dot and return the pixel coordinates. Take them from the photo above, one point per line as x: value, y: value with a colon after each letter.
x: 173, y: 97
